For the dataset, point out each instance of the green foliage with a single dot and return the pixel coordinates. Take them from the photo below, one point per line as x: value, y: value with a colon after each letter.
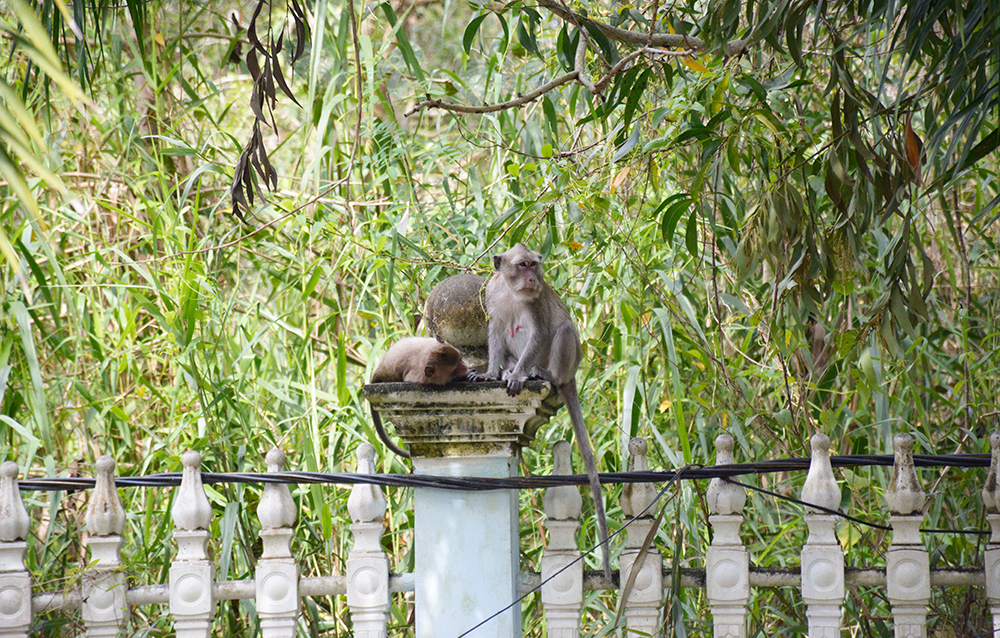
x: 743, y: 240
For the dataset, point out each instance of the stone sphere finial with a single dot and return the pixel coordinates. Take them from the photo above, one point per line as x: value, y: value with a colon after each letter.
x: 191, y: 459
x: 9, y: 470
x: 105, y: 465
x: 904, y: 495
x: 14, y: 521
x: 638, y: 447
x: 275, y: 460
x: 723, y: 497
x: 563, y: 502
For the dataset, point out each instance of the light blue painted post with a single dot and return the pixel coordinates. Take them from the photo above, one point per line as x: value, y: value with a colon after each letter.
x: 466, y: 542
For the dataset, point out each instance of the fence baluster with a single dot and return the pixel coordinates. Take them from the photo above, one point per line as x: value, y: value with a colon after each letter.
x: 822, y: 557
x: 277, y: 574
x: 991, y: 499
x: 15, y: 581
x: 562, y: 597
x: 367, y: 564
x: 907, y: 564
x: 642, y: 613
x: 727, y: 563
x: 192, y: 573
x: 105, y: 611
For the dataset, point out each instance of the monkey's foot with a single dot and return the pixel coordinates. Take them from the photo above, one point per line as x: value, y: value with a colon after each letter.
x: 474, y: 376
x: 543, y: 374
x: 515, y: 383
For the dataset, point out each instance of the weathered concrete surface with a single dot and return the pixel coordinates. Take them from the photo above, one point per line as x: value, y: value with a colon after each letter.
x: 463, y: 419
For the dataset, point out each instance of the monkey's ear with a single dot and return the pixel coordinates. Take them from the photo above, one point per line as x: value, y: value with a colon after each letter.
x: 439, y: 339
x: 496, y: 262
x: 428, y: 371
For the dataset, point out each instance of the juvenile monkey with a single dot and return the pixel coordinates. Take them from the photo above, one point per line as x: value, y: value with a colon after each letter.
x: 416, y: 360
x: 532, y: 335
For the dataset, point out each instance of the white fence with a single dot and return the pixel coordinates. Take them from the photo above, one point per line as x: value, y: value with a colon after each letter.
x: 192, y: 592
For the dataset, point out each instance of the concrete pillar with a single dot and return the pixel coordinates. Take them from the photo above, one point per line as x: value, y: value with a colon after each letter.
x: 823, y: 586
x: 727, y: 562
x: 467, y: 543
x: 907, y: 563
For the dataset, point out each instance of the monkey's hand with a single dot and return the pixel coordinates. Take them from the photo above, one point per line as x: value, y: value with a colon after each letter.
x: 515, y: 382
x: 473, y: 375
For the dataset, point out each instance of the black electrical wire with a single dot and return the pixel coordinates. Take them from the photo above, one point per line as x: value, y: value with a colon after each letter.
x: 172, y: 479
x: 848, y: 517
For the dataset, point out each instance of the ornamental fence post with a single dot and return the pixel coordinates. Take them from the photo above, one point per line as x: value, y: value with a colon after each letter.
x: 727, y: 563
x: 466, y: 543
x: 562, y: 597
x: 991, y: 499
x: 15, y: 581
x: 367, y: 565
x: 192, y: 573
x: 907, y: 564
x: 277, y: 575
x: 642, y: 608
x: 822, y: 557
x: 105, y: 612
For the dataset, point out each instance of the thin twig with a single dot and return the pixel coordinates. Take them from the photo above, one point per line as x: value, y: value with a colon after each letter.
x: 519, y: 101
x: 602, y: 84
x: 967, y: 282
x: 638, y: 38
x: 236, y: 241
x: 357, y: 127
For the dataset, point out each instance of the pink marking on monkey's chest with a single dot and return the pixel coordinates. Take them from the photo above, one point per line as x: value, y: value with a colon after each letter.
x: 513, y: 329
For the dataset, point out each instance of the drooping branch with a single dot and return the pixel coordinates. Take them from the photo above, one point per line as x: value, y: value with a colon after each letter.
x: 520, y: 100
x: 602, y: 84
x: 638, y: 38
x: 647, y: 43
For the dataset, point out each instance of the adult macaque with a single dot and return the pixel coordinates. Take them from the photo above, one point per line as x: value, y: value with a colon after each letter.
x: 532, y: 335
x: 416, y: 360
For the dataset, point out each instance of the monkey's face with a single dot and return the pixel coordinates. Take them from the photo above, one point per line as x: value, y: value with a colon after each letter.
x: 444, y: 363
x: 521, y: 269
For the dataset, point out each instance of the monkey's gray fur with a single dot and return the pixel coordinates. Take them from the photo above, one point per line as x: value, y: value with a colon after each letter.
x: 531, y: 334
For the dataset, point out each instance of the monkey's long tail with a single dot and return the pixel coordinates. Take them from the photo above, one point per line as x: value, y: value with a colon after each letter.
x: 382, y: 434
x: 571, y: 397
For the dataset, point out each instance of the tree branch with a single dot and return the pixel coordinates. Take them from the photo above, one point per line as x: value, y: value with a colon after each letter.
x: 580, y: 63
x: 602, y: 84
x: 520, y: 100
x: 646, y: 43
x: 637, y: 38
